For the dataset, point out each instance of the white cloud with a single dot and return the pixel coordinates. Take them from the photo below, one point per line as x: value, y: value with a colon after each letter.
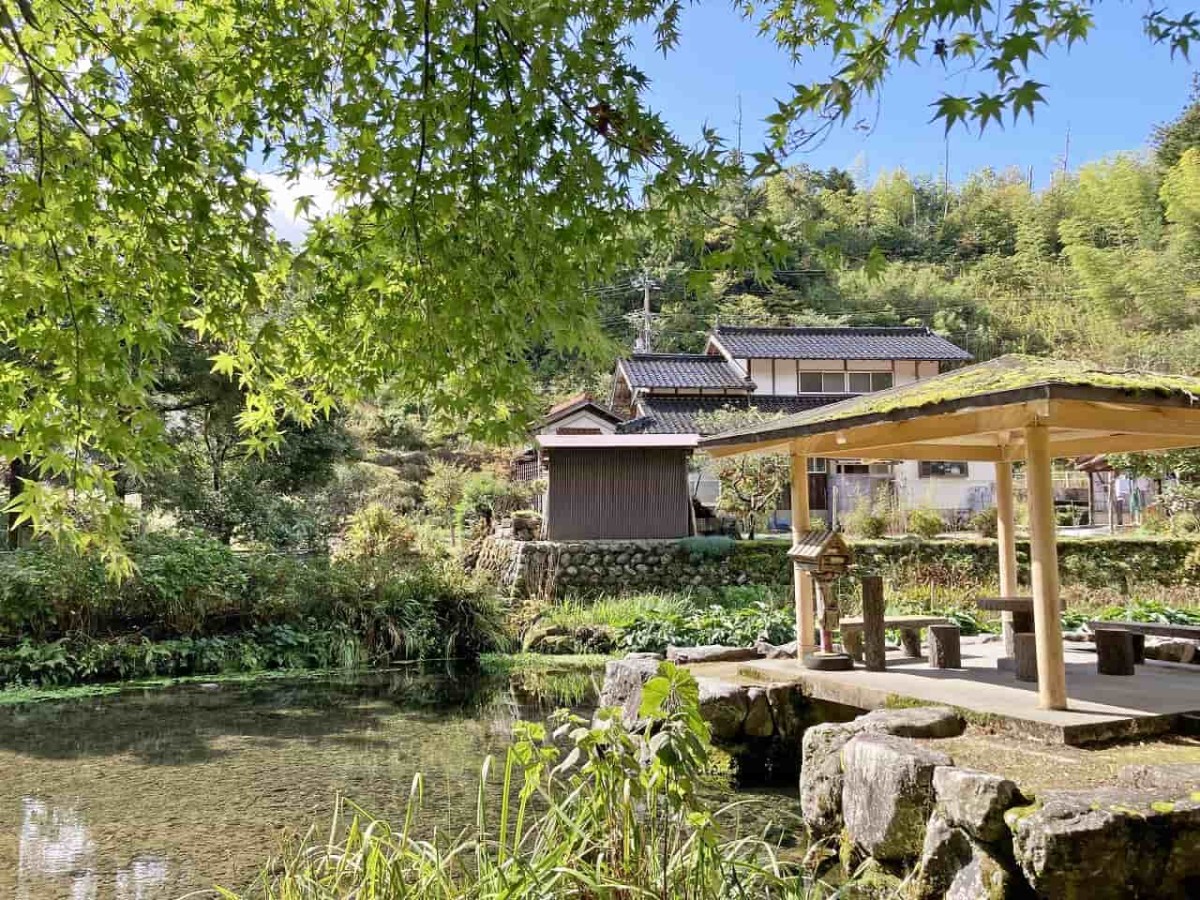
x: 284, y: 194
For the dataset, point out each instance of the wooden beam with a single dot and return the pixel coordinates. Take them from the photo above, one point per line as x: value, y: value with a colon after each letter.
x: 862, y: 439
x: 802, y: 581
x: 1007, y: 540
x: 1132, y: 419
x: 1117, y: 443
x: 1043, y: 552
x: 751, y: 448
x: 970, y: 452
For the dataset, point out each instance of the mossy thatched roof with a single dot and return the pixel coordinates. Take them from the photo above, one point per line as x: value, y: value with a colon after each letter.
x: 1008, y: 379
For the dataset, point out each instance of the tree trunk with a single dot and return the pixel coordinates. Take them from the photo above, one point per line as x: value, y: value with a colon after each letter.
x: 18, y: 470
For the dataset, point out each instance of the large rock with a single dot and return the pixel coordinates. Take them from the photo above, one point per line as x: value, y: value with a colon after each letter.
x: 1182, y: 778
x: 1110, y: 843
x: 915, y: 722
x: 623, y: 680
x: 955, y: 867
x: 710, y: 653
x: 975, y: 801
x: 888, y: 795
x: 1177, y: 650
x: 724, y: 707
x: 821, y: 777
x: 759, y: 723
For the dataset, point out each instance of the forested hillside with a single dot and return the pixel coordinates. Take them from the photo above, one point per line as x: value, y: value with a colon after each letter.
x: 1103, y: 263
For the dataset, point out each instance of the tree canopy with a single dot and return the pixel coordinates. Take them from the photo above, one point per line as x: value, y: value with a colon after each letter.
x: 493, y: 163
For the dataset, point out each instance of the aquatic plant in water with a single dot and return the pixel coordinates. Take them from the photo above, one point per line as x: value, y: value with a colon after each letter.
x: 587, y: 809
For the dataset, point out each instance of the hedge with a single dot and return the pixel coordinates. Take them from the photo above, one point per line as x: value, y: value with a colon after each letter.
x: 1095, y: 561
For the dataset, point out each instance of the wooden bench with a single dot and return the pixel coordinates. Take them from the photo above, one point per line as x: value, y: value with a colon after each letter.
x: 1155, y: 629
x: 908, y: 626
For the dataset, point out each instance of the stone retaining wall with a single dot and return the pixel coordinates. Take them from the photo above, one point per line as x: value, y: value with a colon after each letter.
x: 546, y: 568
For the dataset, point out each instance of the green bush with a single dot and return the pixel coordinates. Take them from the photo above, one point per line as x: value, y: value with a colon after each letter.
x: 925, y: 523
x: 714, y: 547
x: 986, y: 522
x: 193, y: 604
x: 866, y: 522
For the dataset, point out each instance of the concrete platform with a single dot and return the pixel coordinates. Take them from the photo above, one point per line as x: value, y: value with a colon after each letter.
x: 1156, y: 700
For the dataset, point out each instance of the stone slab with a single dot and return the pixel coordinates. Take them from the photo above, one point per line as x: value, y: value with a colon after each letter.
x: 1155, y: 700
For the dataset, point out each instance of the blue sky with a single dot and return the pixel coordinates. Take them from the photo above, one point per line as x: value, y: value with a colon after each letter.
x: 1109, y: 92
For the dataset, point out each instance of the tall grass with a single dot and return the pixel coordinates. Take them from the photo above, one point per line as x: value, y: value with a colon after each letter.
x: 590, y: 810
x: 613, y: 611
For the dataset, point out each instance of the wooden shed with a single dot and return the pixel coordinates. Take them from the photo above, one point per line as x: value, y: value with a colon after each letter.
x: 617, y: 486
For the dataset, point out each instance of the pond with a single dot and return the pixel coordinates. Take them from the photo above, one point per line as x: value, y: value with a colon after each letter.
x: 155, y: 793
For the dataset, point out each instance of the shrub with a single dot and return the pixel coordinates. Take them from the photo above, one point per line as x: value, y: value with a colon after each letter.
x: 184, y: 579
x: 714, y: 547
x: 985, y: 523
x: 864, y: 521
x: 378, y: 535
x: 925, y: 523
x: 487, y: 497
x: 1185, y: 523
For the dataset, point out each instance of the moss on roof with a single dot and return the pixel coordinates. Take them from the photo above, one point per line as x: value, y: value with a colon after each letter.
x: 1005, y: 374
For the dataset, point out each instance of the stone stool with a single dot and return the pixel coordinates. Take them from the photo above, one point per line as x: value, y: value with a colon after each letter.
x: 945, y: 647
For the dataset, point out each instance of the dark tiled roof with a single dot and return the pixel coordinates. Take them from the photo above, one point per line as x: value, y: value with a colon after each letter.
x: 575, y: 404
x: 838, y: 343
x: 681, y: 370
x: 677, y: 415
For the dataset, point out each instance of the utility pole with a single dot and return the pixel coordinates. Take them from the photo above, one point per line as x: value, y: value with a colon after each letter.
x: 1067, y: 150
x: 644, y: 341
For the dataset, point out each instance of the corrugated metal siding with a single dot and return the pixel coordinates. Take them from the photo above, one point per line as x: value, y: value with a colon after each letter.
x: 617, y: 493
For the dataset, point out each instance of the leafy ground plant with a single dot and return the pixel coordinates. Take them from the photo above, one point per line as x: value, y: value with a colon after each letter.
x: 588, y: 809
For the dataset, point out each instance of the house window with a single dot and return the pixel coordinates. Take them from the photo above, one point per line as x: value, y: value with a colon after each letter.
x: 860, y: 382
x: 844, y: 382
x: 942, y: 468
x: 810, y: 382
x: 833, y: 382
x: 817, y: 464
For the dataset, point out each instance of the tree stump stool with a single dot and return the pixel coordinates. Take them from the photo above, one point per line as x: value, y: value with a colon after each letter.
x: 1025, y: 655
x: 874, y: 653
x: 1114, y: 651
x: 910, y: 640
x: 1139, y: 648
x: 945, y: 647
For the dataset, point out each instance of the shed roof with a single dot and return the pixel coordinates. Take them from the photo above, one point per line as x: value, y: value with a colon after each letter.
x: 837, y: 343
x: 617, y: 441
x: 576, y: 403
x: 977, y: 413
x: 682, y: 370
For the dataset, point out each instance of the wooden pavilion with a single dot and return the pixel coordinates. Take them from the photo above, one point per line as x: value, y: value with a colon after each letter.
x: 1011, y: 409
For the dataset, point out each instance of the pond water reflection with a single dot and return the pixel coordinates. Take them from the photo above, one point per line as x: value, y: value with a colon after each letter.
x: 152, y: 794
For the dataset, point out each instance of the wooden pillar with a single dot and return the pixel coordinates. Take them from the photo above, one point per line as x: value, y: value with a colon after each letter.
x: 1007, y: 540
x: 802, y: 582
x: 1043, y: 553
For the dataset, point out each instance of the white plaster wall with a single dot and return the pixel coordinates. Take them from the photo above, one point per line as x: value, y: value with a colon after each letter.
x: 760, y: 374
x: 583, y: 419
x: 975, y: 492
x: 906, y: 371
x: 785, y: 376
